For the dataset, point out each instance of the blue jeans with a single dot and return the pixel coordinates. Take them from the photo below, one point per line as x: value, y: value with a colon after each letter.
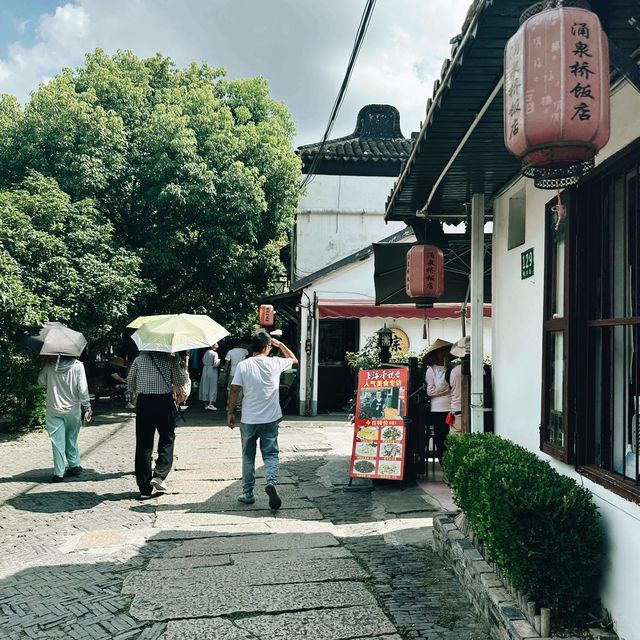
x: 268, y: 435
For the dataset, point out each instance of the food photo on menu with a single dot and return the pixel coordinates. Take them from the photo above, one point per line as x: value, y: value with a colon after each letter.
x: 390, y: 469
x: 368, y: 433
x: 390, y: 450
x: 367, y: 449
x: 364, y: 467
x: 392, y: 433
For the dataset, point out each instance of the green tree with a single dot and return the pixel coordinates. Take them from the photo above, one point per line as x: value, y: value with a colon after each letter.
x: 58, y: 261
x: 196, y: 173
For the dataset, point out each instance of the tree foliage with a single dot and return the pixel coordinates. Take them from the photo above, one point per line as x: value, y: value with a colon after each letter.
x: 58, y: 260
x: 195, y: 172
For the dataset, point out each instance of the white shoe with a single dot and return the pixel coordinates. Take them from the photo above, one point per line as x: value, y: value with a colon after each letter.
x: 159, y: 485
x: 210, y: 407
x: 130, y: 406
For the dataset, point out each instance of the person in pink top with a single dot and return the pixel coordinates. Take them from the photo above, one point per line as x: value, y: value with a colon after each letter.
x: 459, y: 350
x: 439, y: 391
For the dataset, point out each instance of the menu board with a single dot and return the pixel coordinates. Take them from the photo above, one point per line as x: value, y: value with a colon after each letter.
x: 379, y: 434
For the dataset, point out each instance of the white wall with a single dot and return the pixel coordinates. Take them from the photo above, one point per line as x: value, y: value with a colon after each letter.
x: 517, y: 321
x: 447, y: 329
x: 517, y: 371
x: 339, y: 216
x: 347, y: 194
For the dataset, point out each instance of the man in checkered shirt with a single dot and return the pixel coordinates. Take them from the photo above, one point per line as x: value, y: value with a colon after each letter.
x: 151, y: 379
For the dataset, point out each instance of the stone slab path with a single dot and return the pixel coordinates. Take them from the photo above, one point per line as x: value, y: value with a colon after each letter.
x: 87, y: 560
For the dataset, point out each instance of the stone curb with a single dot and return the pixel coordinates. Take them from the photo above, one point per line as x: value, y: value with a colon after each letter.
x: 484, y: 586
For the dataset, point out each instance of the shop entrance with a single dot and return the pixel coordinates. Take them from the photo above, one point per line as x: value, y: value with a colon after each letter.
x: 336, y: 381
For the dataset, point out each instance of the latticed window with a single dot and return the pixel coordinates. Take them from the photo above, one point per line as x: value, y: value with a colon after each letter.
x: 610, y: 266
x: 591, y: 388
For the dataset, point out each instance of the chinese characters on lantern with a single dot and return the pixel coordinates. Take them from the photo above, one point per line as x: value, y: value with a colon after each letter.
x: 556, y: 91
x: 513, y: 88
x: 580, y: 68
x: 379, y: 435
x: 425, y: 272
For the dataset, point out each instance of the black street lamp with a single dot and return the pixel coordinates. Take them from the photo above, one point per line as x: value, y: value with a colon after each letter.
x: 385, y: 337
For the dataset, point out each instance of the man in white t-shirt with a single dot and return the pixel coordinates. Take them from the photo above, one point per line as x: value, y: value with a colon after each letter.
x: 258, y: 377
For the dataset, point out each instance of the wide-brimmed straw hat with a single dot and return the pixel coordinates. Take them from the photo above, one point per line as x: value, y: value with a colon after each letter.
x: 462, y: 347
x: 438, y: 344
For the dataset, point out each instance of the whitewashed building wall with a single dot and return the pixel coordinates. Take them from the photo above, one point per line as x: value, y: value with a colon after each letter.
x: 517, y: 372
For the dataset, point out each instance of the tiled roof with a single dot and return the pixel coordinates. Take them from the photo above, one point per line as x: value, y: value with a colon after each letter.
x: 377, y: 146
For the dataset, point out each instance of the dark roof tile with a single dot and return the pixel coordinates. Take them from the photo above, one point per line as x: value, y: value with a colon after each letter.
x: 377, y: 138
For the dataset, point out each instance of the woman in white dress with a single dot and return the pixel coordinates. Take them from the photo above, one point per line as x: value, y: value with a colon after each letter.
x: 208, y: 389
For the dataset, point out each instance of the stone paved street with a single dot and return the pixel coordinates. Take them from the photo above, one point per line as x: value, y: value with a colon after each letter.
x: 87, y: 560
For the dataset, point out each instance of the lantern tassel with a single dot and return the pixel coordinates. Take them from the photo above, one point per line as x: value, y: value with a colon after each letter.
x: 424, y: 326
x: 561, y: 212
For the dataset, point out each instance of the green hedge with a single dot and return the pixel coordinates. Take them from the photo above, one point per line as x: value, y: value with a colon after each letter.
x: 540, y: 527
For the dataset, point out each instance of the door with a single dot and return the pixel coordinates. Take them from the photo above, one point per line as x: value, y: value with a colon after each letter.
x: 335, y: 379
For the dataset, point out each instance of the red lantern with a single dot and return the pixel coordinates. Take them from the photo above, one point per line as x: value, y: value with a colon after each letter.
x: 425, y: 272
x: 266, y: 315
x: 556, y: 94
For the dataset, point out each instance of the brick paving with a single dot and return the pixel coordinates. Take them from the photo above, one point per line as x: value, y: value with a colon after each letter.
x: 69, y: 549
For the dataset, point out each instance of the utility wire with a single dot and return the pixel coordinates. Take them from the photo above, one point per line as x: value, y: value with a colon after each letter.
x: 362, y: 31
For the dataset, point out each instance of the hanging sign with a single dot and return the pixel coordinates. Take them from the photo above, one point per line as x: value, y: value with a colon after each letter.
x: 379, y: 434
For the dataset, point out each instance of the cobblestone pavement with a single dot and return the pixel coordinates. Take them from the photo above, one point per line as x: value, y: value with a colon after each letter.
x: 86, y: 559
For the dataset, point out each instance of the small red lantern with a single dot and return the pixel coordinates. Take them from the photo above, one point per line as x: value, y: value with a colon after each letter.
x: 556, y: 94
x: 425, y: 272
x: 266, y: 315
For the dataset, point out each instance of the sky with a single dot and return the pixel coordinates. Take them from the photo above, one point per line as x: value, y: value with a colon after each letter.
x: 300, y: 46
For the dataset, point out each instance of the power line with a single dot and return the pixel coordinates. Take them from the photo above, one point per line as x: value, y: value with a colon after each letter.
x: 362, y: 31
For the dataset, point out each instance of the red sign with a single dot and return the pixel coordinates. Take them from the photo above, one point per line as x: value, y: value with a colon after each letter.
x: 379, y: 435
x: 556, y: 88
x: 425, y: 272
x: 266, y: 315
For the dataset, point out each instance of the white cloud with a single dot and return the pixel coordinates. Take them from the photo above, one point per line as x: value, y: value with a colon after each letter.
x: 62, y: 38
x: 300, y: 46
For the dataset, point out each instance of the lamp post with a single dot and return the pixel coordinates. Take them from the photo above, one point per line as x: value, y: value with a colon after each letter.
x: 385, y: 336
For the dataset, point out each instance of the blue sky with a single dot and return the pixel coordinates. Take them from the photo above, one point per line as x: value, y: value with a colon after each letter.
x: 18, y: 20
x: 300, y: 46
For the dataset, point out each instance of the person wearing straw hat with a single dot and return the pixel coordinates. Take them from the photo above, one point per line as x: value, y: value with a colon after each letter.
x: 437, y: 360
x: 459, y: 350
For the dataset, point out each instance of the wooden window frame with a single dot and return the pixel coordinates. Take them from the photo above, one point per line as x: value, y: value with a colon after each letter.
x: 599, y: 189
x: 553, y: 325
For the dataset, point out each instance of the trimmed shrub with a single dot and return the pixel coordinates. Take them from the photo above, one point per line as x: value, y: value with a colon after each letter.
x: 540, y: 527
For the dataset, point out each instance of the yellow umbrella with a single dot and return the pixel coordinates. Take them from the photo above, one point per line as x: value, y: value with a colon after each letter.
x: 140, y: 320
x: 178, y: 332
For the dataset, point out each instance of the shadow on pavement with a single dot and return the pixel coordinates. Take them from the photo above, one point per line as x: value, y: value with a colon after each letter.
x: 64, y: 501
x: 43, y: 476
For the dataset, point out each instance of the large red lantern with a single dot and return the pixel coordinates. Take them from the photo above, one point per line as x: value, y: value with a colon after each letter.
x: 266, y: 315
x: 425, y: 272
x: 556, y: 94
